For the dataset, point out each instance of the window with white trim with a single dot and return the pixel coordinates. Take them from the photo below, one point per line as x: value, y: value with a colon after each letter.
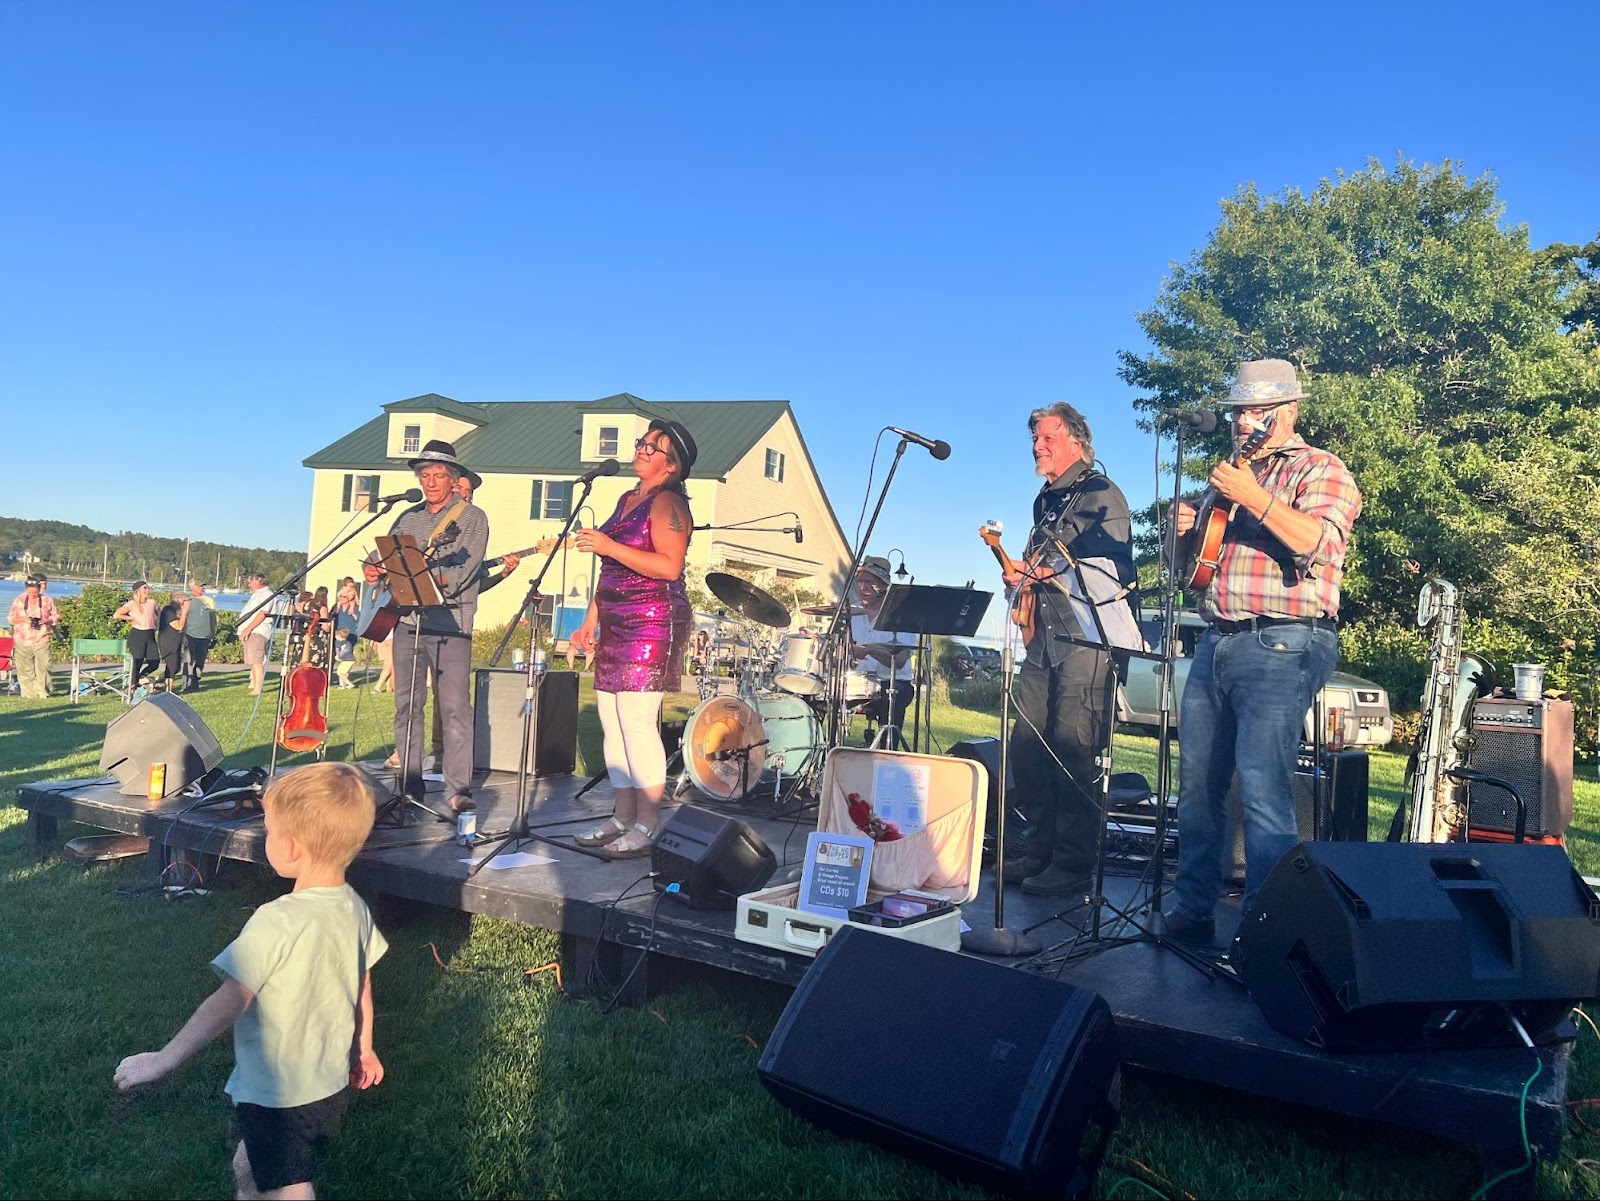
x: 610, y: 438
x: 775, y: 465
x: 411, y: 440
x: 360, y: 493
x: 551, y: 501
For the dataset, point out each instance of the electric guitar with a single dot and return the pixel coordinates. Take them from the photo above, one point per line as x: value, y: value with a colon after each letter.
x: 1203, y: 543
x: 386, y: 616
x: 1023, y: 602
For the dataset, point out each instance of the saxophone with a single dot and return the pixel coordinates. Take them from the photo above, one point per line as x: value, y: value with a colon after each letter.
x: 1438, y: 803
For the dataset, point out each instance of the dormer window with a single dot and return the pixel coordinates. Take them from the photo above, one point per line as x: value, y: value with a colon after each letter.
x: 609, y: 440
x: 411, y: 440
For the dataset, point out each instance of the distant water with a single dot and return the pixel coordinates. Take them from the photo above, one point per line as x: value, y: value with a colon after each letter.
x: 60, y: 589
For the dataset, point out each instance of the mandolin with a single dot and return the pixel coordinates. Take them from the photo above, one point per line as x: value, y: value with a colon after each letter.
x: 304, y: 727
x: 1203, y: 545
x: 1023, y: 602
x: 384, y: 618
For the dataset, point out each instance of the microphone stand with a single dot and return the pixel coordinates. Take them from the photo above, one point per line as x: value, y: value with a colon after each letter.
x: 519, y: 832
x: 839, y: 631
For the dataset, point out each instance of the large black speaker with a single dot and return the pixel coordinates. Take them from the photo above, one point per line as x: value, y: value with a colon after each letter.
x: 1528, y: 744
x: 712, y: 858
x: 159, y: 729
x: 1389, y: 945
x: 497, y: 721
x: 1005, y: 1078
x: 1342, y: 816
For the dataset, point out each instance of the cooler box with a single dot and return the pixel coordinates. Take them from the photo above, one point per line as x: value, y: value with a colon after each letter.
x: 943, y: 858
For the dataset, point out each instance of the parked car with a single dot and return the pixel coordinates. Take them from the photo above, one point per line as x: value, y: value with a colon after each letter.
x: 1367, y: 721
x: 974, y: 661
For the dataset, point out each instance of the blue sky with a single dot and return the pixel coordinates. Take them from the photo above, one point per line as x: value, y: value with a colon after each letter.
x: 232, y: 232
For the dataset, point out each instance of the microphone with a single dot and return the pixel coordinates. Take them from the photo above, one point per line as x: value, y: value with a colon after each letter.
x: 411, y: 496
x: 1202, y: 422
x: 938, y: 449
x: 799, y: 534
x: 609, y: 467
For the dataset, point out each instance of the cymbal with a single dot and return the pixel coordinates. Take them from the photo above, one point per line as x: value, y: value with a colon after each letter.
x: 830, y: 610
x: 884, y: 652
x: 745, y: 598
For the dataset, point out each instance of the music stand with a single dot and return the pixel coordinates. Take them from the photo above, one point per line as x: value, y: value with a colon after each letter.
x: 413, y: 590
x: 926, y: 610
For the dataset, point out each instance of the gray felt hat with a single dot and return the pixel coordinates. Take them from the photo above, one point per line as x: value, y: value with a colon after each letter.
x: 1262, y: 382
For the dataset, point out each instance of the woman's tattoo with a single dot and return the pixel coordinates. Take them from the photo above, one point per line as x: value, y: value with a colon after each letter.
x: 675, y: 522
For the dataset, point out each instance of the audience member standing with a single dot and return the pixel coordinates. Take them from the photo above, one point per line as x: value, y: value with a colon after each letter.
x: 256, y: 624
x: 33, y: 619
x: 169, y: 637
x: 140, y: 611
x: 198, y: 632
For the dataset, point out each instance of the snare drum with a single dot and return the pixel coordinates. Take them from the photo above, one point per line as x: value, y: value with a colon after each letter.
x: 799, y: 667
x: 859, y: 687
x: 721, y: 724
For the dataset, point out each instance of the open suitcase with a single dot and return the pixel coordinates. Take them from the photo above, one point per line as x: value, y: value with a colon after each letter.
x: 943, y: 858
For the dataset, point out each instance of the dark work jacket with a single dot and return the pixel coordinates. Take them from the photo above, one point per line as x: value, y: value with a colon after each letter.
x: 1089, y: 514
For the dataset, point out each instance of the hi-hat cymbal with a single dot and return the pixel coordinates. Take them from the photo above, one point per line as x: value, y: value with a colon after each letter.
x: 830, y: 610
x: 745, y: 598
x: 884, y: 652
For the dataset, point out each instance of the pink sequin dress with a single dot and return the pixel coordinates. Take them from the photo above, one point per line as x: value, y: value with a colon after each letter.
x: 643, y: 627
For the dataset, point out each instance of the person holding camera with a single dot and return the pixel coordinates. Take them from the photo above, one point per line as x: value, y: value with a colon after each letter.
x: 33, y: 620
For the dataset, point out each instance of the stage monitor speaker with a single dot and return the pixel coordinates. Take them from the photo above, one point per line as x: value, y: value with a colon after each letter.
x: 712, y: 858
x: 987, y: 752
x: 1394, y: 945
x: 1345, y: 787
x: 1022, y: 1095
x: 159, y: 729
x: 1528, y: 744
x: 497, y: 722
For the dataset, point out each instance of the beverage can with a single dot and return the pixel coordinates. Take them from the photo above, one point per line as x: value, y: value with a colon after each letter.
x: 466, y: 828
x: 158, y: 781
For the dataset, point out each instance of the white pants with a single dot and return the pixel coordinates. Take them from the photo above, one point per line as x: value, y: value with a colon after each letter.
x: 635, y: 757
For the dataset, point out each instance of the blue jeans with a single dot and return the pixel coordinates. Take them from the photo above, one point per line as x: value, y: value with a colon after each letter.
x: 1244, y: 708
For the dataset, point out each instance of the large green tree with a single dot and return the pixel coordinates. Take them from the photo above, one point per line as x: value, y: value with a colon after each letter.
x: 1453, y: 367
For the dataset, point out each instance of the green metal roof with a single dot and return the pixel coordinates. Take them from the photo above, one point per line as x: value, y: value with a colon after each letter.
x: 545, y: 436
x: 432, y: 402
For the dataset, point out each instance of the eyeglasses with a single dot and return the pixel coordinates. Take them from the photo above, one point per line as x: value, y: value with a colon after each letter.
x: 1240, y: 412
x: 649, y: 447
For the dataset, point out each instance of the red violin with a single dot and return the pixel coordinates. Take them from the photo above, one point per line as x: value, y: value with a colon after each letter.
x: 304, y: 726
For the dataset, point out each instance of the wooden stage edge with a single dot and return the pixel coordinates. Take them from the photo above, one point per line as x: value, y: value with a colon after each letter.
x: 1172, y: 1019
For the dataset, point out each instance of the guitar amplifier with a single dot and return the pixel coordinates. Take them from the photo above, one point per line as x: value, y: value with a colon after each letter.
x: 1528, y: 744
x: 497, y: 721
x: 1343, y: 813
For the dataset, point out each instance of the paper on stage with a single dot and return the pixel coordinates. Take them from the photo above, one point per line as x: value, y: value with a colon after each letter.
x: 514, y: 859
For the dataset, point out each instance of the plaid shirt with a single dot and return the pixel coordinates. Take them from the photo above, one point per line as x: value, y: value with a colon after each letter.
x: 1257, y: 576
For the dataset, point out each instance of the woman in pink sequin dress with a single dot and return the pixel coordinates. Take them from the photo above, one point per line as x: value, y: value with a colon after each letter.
x: 637, y: 631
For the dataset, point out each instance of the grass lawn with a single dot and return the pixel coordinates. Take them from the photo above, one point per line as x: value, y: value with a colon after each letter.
x: 497, y: 1085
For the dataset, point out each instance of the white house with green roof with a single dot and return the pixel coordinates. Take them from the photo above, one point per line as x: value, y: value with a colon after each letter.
x: 753, y: 463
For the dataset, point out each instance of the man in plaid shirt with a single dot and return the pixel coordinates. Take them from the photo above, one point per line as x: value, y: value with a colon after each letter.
x: 1272, y: 607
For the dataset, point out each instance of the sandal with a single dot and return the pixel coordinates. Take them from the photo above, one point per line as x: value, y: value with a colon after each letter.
x: 635, y: 844
x: 604, y: 834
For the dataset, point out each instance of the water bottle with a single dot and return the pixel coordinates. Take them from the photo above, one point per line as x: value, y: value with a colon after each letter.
x: 519, y: 658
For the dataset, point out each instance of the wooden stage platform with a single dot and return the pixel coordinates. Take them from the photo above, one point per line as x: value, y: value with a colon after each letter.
x: 1172, y: 1018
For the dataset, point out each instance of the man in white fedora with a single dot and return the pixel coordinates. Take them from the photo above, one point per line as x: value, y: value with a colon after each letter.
x: 1272, y: 608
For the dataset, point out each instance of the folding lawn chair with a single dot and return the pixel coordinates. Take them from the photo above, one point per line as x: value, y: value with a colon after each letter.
x: 7, y: 682
x: 90, y: 677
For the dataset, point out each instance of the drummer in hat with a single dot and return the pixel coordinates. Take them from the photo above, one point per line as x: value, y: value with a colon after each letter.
x: 877, y: 653
x: 454, y: 534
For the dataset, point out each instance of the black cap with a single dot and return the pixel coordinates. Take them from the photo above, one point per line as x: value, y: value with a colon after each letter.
x: 682, y: 442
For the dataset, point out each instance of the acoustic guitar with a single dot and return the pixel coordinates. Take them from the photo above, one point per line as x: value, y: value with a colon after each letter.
x: 1203, y: 543
x: 386, y: 616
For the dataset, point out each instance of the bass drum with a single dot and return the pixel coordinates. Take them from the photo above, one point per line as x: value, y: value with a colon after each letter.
x: 786, y: 724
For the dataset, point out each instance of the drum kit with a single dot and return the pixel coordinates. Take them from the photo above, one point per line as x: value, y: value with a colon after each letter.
x: 758, y: 731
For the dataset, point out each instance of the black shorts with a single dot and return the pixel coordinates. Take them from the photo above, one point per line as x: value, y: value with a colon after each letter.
x: 283, y: 1144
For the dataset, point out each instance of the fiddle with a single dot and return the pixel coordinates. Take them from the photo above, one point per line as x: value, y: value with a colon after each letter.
x: 304, y: 727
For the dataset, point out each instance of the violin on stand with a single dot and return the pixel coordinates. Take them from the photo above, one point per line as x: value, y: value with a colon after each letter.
x: 305, y: 727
